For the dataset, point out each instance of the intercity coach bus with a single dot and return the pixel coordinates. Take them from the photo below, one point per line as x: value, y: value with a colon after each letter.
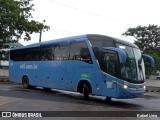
x: 90, y: 64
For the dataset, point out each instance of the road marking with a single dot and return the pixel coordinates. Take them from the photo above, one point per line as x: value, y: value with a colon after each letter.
x: 5, y: 100
x: 3, y: 103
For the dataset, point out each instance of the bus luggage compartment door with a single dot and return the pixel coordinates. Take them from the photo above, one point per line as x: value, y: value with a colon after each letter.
x: 69, y: 69
x: 109, y: 87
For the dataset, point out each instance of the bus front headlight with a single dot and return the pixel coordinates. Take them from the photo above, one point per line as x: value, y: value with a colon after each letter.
x: 125, y: 86
x: 144, y: 87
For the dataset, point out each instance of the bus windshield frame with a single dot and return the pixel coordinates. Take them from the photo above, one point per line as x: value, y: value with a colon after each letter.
x: 133, y: 70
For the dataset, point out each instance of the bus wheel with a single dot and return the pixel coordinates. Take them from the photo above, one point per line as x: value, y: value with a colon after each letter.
x: 86, y: 92
x: 25, y: 82
x: 46, y: 89
x: 108, y: 99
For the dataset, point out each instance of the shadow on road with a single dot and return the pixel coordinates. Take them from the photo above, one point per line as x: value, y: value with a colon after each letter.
x: 63, y: 96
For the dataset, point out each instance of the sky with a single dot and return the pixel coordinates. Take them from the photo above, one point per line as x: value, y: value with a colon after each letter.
x: 106, y: 17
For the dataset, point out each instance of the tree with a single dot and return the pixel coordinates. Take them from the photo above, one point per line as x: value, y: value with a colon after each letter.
x: 147, y: 38
x: 16, y: 20
x: 155, y: 53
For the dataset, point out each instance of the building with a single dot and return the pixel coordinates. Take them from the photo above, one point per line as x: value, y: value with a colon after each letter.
x: 4, y: 64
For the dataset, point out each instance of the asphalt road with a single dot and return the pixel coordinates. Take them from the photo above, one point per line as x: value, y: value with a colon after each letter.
x: 14, y: 98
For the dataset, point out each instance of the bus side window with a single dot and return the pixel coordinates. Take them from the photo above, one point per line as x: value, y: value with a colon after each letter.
x: 14, y: 55
x: 56, y: 52
x: 79, y: 51
x: 35, y: 54
x: 46, y: 53
x: 61, y: 52
x: 64, y: 50
x: 25, y: 55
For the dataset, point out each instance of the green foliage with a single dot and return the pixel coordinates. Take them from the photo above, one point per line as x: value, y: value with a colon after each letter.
x: 148, y: 40
x: 147, y: 37
x: 155, y: 53
x: 4, y: 55
x: 16, y: 20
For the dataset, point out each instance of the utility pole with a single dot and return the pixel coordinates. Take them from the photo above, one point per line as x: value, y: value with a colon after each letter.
x: 40, y: 33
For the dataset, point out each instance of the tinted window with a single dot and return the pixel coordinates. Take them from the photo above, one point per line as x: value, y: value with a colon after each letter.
x: 46, y: 53
x: 98, y: 43
x: 32, y: 54
x: 13, y: 55
x: 64, y: 51
x: 61, y: 52
x: 21, y: 55
x: 79, y: 51
x: 109, y: 63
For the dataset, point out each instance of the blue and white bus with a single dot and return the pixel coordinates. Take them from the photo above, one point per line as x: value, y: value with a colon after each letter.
x: 90, y: 64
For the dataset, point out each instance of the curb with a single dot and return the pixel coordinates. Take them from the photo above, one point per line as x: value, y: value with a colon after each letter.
x: 152, y: 89
x: 4, y: 80
x: 8, y: 83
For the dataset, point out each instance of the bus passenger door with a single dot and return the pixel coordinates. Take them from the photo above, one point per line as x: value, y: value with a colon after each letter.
x: 110, y: 66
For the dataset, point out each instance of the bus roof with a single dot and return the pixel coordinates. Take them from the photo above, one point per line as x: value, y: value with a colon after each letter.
x: 55, y: 41
x: 95, y: 36
x: 76, y: 38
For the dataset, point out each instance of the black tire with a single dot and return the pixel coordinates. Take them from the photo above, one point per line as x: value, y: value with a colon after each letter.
x: 108, y: 99
x: 46, y: 89
x: 25, y: 82
x: 86, y: 92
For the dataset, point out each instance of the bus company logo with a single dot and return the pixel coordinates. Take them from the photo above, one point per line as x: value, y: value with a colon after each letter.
x: 25, y: 66
x: 6, y: 114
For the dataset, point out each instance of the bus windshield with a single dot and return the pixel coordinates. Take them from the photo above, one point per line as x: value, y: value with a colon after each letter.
x: 133, y: 70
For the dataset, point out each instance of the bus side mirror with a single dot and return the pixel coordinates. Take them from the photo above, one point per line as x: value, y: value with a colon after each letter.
x: 151, y: 59
x: 122, y: 55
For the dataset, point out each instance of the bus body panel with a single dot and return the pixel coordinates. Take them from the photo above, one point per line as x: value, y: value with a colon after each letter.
x: 109, y: 88
x: 132, y: 91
